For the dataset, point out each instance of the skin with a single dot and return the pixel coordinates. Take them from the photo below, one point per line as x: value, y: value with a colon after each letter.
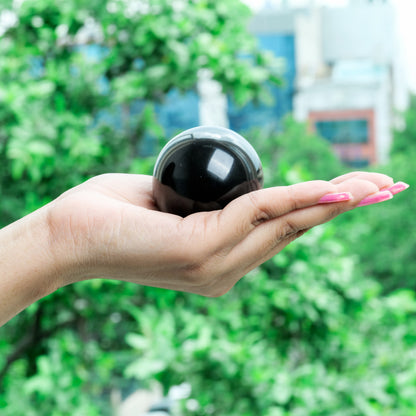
x: 109, y: 227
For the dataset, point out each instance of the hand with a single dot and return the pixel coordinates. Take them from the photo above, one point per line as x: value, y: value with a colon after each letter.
x: 109, y: 227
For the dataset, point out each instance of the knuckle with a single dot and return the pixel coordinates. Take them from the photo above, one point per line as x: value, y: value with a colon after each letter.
x: 260, y: 214
x: 320, y: 182
x: 334, y: 211
x: 290, y: 228
x: 292, y: 197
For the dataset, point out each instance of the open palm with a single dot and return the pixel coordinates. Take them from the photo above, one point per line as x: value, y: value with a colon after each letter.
x: 110, y: 227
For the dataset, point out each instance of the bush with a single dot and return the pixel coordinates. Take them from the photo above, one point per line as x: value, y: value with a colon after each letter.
x: 304, y: 334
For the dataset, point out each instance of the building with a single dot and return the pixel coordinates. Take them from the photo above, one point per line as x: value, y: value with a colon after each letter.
x: 348, y: 75
x: 343, y: 76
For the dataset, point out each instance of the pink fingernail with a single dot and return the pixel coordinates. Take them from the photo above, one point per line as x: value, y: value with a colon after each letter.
x: 398, y: 187
x: 376, y: 198
x: 336, y: 197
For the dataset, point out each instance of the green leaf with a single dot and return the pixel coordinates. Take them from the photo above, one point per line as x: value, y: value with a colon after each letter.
x: 137, y: 341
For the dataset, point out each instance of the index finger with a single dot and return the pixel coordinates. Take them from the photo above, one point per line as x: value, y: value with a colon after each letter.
x: 243, y: 214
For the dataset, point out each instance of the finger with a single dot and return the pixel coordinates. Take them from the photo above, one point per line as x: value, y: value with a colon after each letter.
x: 248, y: 234
x: 240, y: 269
x: 346, y: 176
x: 250, y: 230
x: 381, y: 180
x: 270, y: 237
x: 242, y: 215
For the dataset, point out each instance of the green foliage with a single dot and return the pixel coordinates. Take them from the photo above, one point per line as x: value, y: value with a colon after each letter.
x: 67, y: 70
x: 383, y: 235
x: 308, y: 333
x: 305, y: 334
x: 294, y: 154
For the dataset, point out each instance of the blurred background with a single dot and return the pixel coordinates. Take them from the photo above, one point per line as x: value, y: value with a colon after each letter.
x: 327, y: 327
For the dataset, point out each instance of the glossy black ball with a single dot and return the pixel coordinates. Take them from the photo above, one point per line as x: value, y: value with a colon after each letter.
x: 203, y: 169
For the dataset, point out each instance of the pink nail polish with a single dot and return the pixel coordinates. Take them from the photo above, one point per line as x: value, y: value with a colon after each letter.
x: 376, y: 198
x: 336, y: 197
x: 398, y: 187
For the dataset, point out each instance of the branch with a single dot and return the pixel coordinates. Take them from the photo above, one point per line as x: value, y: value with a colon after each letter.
x: 30, y: 339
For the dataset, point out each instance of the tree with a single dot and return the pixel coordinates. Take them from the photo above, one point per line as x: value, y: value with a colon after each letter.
x: 305, y: 334
x: 382, y: 237
x: 70, y: 74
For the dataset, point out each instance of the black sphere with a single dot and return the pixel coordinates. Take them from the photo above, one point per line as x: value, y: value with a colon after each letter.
x: 203, y: 169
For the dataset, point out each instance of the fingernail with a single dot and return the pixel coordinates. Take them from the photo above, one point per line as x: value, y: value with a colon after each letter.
x: 376, y: 198
x: 398, y: 187
x: 336, y: 197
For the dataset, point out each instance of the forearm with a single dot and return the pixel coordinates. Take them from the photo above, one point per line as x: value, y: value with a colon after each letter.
x: 28, y: 269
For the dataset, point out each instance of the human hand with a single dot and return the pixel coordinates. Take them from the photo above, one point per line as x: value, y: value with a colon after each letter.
x: 109, y: 227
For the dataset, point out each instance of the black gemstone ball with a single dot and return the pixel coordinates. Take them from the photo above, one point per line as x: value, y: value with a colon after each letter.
x: 203, y: 169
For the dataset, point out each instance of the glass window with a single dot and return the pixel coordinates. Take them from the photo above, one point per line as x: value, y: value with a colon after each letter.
x: 343, y: 131
x: 358, y: 163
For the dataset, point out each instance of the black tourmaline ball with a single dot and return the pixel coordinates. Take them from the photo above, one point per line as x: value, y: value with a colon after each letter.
x: 203, y: 169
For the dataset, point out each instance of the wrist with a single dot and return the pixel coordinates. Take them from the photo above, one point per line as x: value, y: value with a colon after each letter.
x: 30, y: 268
x: 64, y: 243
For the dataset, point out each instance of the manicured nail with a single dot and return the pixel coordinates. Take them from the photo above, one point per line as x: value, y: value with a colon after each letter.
x: 336, y: 197
x: 376, y: 198
x: 398, y: 187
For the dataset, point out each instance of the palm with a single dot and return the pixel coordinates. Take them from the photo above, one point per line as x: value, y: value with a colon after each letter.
x: 117, y: 231
x: 114, y: 218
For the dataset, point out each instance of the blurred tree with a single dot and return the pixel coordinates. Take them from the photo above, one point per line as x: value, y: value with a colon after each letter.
x: 294, y: 154
x: 69, y: 74
x: 305, y: 334
x: 382, y: 237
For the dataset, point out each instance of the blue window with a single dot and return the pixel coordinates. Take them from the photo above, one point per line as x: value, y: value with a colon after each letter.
x: 178, y: 112
x: 343, y: 131
x: 251, y: 115
x: 357, y: 163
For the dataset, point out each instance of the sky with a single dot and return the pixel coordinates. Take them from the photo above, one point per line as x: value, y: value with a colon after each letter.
x: 406, y: 28
x: 406, y: 14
